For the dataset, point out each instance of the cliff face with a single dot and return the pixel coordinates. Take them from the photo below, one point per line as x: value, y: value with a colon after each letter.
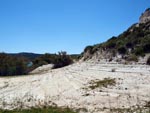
x: 131, y: 45
x: 145, y: 17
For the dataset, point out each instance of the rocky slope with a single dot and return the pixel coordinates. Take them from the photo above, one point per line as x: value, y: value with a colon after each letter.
x: 131, y: 45
x: 145, y: 17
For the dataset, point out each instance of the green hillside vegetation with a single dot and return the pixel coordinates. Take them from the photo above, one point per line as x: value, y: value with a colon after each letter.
x: 18, y: 65
x: 11, y: 65
x: 132, y: 43
x: 59, y: 60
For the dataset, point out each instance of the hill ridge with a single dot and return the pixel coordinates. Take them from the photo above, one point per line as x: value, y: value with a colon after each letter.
x: 131, y: 45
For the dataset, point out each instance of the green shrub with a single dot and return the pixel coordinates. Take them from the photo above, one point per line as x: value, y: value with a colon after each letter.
x: 146, y: 48
x: 122, y: 50
x: 132, y: 58
x: 129, y: 45
x: 59, y: 60
x: 120, y: 43
x: 139, y: 51
x: 111, y: 44
x: 44, y: 59
x: 11, y: 65
x: 89, y: 49
x: 62, y: 60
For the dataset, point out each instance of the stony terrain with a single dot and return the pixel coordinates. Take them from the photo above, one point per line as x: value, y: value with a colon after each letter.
x: 145, y: 17
x: 69, y: 86
x: 42, y: 69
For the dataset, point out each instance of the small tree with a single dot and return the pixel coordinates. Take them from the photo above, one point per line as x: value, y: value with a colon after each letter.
x: 62, y: 60
x: 139, y: 51
x: 12, y: 65
x: 122, y: 50
x: 89, y: 49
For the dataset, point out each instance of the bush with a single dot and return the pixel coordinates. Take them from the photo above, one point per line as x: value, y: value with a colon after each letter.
x: 148, y: 61
x: 59, y: 60
x: 89, y: 49
x: 122, y: 50
x: 62, y: 60
x: 132, y: 58
x: 129, y: 45
x: 44, y: 59
x: 146, y: 48
x: 139, y: 51
x: 10, y: 65
x: 111, y: 45
x: 120, y: 43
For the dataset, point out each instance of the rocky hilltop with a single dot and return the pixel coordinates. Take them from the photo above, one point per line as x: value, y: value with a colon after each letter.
x: 145, y: 17
x: 133, y: 45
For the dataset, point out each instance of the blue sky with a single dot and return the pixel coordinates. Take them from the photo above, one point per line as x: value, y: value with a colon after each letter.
x: 42, y: 26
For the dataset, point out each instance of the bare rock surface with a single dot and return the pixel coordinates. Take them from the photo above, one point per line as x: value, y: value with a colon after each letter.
x: 42, y: 69
x: 145, y: 17
x: 68, y: 86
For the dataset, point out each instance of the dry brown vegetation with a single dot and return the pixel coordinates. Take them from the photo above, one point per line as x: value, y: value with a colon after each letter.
x: 102, y: 83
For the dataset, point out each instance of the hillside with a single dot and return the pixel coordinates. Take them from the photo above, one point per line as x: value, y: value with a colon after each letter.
x: 131, y: 45
x: 30, y: 56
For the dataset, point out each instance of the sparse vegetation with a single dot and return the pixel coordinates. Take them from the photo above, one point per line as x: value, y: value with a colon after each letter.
x: 133, y: 42
x: 102, y: 83
x: 89, y: 49
x: 122, y: 50
x: 134, y: 109
x: 59, y: 60
x: 132, y: 58
x: 41, y: 110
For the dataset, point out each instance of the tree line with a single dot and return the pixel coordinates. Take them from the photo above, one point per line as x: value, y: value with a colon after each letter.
x: 10, y: 65
x: 14, y: 65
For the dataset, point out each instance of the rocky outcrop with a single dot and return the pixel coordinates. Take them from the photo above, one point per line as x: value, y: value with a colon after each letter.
x: 133, y: 45
x: 145, y: 17
x: 42, y: 69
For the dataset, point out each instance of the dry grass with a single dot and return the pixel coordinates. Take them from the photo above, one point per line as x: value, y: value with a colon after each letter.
x: 102, y: 83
